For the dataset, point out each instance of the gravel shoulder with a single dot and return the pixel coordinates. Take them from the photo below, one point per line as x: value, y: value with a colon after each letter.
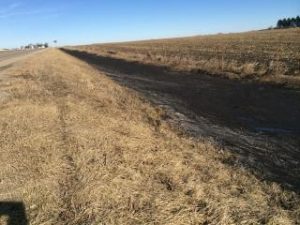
x: 9, y: 57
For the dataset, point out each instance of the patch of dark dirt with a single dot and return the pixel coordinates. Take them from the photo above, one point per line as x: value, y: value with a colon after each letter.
x: 258, y: 123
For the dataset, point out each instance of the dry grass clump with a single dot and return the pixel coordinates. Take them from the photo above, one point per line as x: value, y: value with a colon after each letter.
x: 79, y: 149
x: 271, y: 55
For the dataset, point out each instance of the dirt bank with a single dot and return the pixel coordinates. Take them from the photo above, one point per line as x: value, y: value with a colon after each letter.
x: 260, y: 124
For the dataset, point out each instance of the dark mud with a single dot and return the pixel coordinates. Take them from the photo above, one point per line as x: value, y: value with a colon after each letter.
x: 259, y: 124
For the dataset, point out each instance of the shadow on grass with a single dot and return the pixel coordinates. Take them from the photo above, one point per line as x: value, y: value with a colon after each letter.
x: 15, y: 212
x: 261, y: 122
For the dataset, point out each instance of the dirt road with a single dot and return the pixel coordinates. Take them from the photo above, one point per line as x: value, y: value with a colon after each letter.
x: 258, y: 123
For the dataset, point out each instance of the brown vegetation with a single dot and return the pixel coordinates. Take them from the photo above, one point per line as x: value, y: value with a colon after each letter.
x: 77, y: 148
x: 271, y: 55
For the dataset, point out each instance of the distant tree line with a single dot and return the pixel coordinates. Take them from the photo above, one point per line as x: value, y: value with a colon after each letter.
x: 288, y: 22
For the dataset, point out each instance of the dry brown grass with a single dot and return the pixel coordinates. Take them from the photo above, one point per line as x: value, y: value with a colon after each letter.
x: 268, y: 56
x: 77, y: 148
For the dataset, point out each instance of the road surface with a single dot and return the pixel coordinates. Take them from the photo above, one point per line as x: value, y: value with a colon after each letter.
x: 7, y: 58
x: 5, y: 55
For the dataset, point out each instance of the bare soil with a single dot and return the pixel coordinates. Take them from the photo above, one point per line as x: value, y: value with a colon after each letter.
x: 259, y: 123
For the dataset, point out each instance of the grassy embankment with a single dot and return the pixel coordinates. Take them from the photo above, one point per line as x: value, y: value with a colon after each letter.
x: 77, y: 148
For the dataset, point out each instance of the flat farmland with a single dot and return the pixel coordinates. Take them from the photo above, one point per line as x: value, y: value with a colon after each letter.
x: 267, y: 56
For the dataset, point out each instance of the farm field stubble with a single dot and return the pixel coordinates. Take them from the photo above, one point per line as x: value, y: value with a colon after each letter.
x: 271, y: 56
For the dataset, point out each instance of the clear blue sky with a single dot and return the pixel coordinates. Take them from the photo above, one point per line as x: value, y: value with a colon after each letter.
x: 95, y: 21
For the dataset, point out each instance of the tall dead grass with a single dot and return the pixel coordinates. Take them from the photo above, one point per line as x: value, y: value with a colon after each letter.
x: 79, y: 149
